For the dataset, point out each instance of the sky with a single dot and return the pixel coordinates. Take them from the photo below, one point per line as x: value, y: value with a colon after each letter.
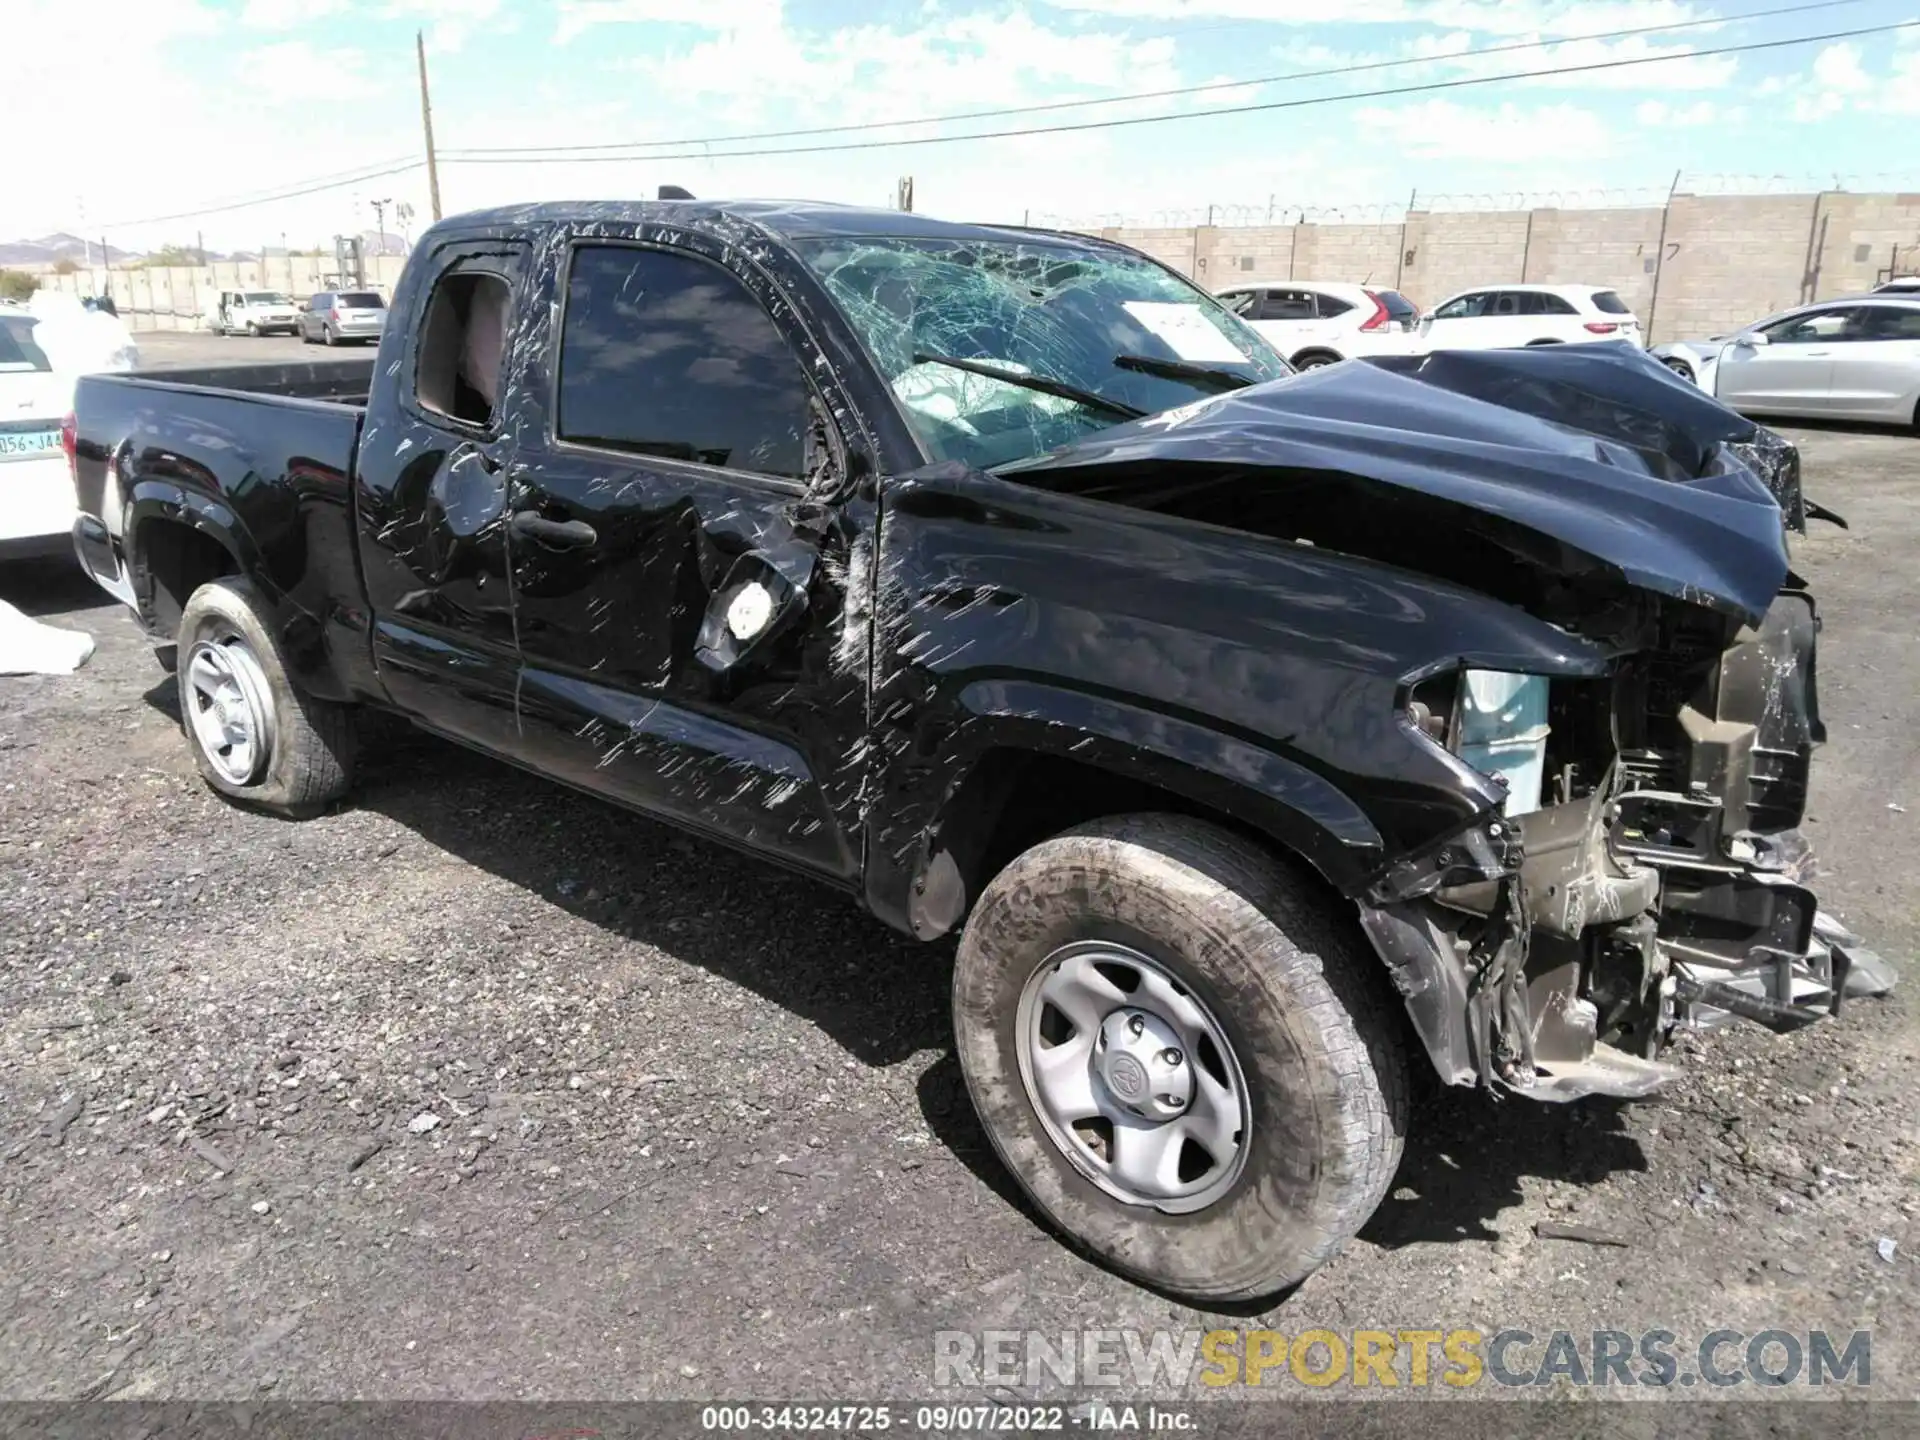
x: 141, y: 111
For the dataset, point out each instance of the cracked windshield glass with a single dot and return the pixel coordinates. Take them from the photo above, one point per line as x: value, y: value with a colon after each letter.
x: 1082, y: 338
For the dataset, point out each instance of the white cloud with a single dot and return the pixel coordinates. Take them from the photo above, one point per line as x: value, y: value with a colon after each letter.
x: 1839, y: 81
x: 873, y: 72
x: 1492, y: 17
x: 288, y: 14
x: 1661, y: 115
x: 576, y: 17
x: 449, y: 24
x: 1505, y: 135
x: 293, y: 71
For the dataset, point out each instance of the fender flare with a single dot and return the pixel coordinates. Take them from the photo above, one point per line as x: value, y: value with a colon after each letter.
x: 1282, y: 799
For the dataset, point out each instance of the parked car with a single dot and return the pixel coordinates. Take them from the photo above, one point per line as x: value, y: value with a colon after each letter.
x: 1856, y: 358
x: 253, y: 312
x: 1899, y: 285
x: 1009, y: 584
x: 44, y: 344
x: 1506, y: 316
x: 1323, y: 322
x: 336, y: 316
x: 36, y: 488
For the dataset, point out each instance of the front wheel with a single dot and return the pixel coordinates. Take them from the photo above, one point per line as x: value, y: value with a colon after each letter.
x: 256, y: 738
x: 1680, y: 368
x: 1182, y: 1053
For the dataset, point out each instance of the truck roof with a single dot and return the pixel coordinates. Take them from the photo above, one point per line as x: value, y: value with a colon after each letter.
x: 777, y: 219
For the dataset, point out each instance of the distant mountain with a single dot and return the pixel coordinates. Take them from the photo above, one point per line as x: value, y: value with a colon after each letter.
x: 51, y: 249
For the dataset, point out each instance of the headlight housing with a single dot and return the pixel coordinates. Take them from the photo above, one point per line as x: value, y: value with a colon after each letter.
x: 1494, y: 720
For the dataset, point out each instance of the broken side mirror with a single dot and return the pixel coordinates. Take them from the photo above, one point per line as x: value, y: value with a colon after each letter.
x: 764, y: 593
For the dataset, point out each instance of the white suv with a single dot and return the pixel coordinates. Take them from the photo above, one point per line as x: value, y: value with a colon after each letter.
x: 1322, y: 322
x: 1498, y: 317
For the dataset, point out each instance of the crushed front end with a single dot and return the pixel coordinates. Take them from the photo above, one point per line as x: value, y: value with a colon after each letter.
x: 1647, y: 871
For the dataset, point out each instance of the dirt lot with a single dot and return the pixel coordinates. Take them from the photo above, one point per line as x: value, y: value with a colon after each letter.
x: 477, y: 1088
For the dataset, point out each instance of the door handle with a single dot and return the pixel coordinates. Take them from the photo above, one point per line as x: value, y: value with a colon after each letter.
x: 532, y: 525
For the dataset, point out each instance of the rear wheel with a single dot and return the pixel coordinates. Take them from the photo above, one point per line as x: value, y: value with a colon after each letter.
x: 1544, y: 340
x: 327, y: 336
x: 1315, y: 359
x: 255, y: 736
x: 1182, y: 1054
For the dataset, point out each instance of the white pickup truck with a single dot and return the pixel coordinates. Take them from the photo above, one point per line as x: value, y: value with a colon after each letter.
x: 255, y: 312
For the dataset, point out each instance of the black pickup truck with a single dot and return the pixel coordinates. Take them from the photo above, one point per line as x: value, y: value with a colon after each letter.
x: 1253, y: 731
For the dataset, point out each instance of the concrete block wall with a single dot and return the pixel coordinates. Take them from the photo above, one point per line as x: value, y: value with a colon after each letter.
x: 1861, y: 237
x: 1729, y: 259
x: 1453, y: 252
x: 1732, y: 259
x: 175, y: 297
x: 1616, y: 248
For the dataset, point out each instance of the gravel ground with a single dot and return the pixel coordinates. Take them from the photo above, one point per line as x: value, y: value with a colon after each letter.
x: 477, y: 1088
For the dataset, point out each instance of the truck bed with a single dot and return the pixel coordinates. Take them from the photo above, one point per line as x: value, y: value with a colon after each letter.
x: 343, y: 382
x: 259, y: 458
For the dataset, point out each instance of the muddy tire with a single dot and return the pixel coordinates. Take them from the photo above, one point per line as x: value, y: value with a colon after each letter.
x: 1231, y: 943
x: 256, y: 738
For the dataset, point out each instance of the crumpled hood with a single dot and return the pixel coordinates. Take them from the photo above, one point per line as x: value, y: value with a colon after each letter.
x: 1597, y: 446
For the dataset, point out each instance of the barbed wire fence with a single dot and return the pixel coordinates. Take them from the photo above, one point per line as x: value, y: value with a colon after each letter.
x: 1281, y: 210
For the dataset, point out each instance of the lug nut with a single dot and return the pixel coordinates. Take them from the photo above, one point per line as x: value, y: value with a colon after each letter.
x: 1173, y: 1102
x: 1172, y: 1057
x: 1135, y: 1024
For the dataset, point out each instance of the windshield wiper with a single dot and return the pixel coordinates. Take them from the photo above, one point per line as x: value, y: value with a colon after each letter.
x: 1218, y: 380
x: 1032, y: 382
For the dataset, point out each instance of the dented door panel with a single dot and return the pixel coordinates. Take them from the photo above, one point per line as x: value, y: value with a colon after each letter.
x: 642, y: 678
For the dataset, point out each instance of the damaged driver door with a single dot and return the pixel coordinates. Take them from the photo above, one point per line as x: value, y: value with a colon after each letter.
x: 680, y: 558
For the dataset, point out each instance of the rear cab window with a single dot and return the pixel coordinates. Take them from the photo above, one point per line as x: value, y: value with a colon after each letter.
x: 462, y: 346
x: 359, y: 300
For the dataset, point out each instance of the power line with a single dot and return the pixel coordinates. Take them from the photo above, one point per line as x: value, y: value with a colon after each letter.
x: 312, y: 187
x: 1211, y: 86
x: 1427, y: 87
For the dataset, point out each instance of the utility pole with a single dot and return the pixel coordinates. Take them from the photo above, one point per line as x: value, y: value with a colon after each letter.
x: 380, y: 225
x: 903, y: 194
x: 426, y: 124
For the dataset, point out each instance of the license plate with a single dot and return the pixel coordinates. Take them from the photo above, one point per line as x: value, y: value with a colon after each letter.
x: 17, y: 444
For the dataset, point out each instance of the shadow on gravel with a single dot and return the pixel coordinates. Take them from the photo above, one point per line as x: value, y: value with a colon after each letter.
x: 50, y: 586
x: 1467, y: 1154
x: 881, y: 996
x: 813, y: 952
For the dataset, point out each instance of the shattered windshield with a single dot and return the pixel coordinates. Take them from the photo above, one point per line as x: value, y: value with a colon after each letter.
x: 1113, y: 326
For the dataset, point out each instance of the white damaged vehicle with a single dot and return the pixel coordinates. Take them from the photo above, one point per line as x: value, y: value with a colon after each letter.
x: 1855, y: 358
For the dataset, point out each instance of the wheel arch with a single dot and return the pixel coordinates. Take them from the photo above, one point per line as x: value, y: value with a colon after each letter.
x: 1325, y: 354
x: 176, y: 542
x: 1025, y: 778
